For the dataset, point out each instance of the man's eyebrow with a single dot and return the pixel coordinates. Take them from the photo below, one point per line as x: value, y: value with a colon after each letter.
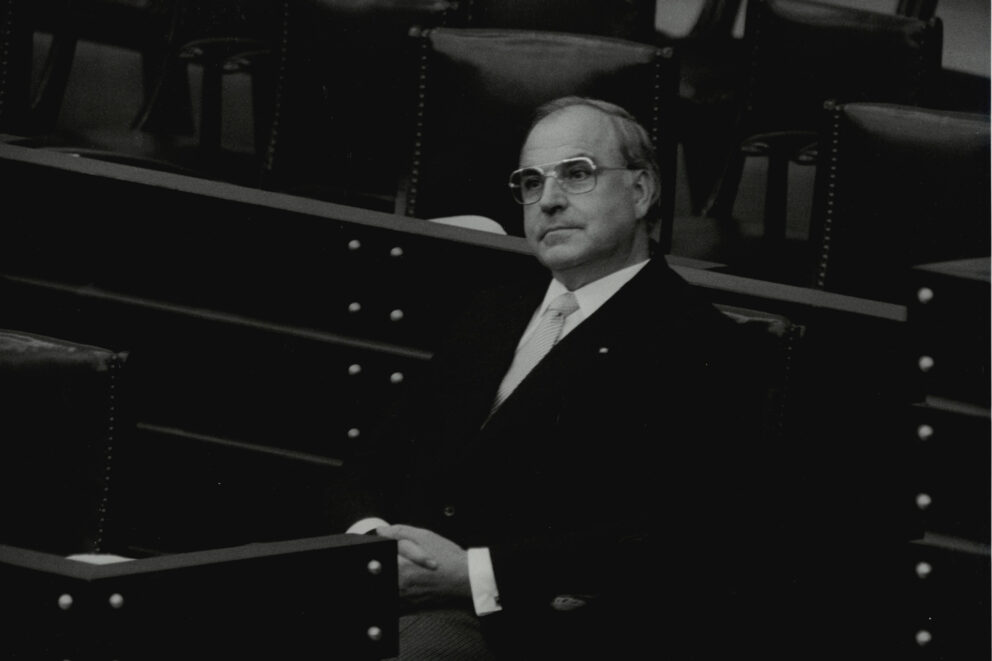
x: 582, y: 154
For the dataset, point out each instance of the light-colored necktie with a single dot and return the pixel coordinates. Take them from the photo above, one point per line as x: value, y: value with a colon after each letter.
x: 545, y: 336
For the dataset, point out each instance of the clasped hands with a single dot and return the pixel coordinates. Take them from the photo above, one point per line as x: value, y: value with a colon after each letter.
x: 432, y: 568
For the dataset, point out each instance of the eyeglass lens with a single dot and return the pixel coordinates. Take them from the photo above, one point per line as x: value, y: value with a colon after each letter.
x: 575, y: 175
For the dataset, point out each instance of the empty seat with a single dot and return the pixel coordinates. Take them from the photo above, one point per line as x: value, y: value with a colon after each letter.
x: 902, y: 186
x: 802, y: 54
x: 64, y: 418
x: 158, y: 129
x: 142, y: 26
x: 345, y: 98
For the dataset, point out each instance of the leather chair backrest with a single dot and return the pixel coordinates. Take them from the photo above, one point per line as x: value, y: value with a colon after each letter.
x: 904, y: 186
x: 803, y: 53
x: 345, y: 98
x: 800, y: 55
x: 479, y: 89
x: 62, y: 422
x: 625, y: 19
x: 140, y: 25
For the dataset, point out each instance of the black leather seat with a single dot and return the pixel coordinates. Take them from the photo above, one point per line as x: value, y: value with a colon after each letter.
x: 479, y: 88
x: 345, y: 98
x: 64, y: 418
x: 143, y: 26
x: 903, y: 186
x: 802, y: 54
x: 220, y: 37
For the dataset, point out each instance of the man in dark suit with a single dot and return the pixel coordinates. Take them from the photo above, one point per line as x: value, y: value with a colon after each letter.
x: 587, y: 501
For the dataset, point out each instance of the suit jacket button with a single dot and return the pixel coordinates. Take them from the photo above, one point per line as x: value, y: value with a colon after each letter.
x: 449, y: 511
x: 567, y: 602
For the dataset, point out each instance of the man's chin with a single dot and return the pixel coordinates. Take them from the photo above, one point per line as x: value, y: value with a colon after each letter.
x: 559, y: 257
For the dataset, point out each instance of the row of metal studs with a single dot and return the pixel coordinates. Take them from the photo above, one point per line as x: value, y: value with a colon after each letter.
x: 109, y: 452
x: 279, y: 91
x: 355, y: 369
x: 828, y: 215
x: 924, y: 432
x: 418, y: 143
x: 792, y: 336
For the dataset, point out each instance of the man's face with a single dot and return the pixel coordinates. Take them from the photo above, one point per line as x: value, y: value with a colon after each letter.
x: 583, y: 237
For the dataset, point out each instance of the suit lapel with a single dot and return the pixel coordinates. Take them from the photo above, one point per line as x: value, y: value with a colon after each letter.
x: 638, y: 313
x: 484, y: 359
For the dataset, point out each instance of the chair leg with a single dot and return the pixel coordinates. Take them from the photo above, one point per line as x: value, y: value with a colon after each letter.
x: 167, y: 105
x: 47, y: 103
x: 210, y: 111
x: 720, y: 204
x: 776, y: 198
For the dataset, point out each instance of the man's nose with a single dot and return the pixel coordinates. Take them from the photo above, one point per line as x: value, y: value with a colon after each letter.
x: 552, y: 195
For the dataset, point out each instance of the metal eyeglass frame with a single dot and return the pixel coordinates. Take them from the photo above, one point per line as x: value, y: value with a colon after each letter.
x: 555, y: 170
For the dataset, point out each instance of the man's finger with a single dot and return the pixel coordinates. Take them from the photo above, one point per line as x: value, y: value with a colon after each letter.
x: 397, y: 531
x: 414, y: 553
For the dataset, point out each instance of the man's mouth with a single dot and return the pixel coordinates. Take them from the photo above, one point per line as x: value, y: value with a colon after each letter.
x: 557, y: 228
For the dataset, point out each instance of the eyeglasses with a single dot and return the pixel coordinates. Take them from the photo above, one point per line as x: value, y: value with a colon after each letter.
x: 574, y: 175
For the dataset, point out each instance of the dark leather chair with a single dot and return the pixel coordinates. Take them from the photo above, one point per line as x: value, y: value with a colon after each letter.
x: 235, y: 36
x: 344, y: 115
x: 64, y: 419
x: 478, y: 89
x: 802, y: 54
x: 222, y: 38
x: 142, y: 26
x: 902, y: 186
x: 713, y: 63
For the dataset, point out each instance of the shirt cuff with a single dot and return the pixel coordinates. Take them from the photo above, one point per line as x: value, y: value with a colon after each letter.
x: 485, y: 596
x: 365, y: 525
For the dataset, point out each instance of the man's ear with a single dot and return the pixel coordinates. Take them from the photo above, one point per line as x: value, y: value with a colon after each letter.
x: 644, y: 193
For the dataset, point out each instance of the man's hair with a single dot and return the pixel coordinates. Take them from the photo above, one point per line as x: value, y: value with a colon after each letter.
x: 636, y: 147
